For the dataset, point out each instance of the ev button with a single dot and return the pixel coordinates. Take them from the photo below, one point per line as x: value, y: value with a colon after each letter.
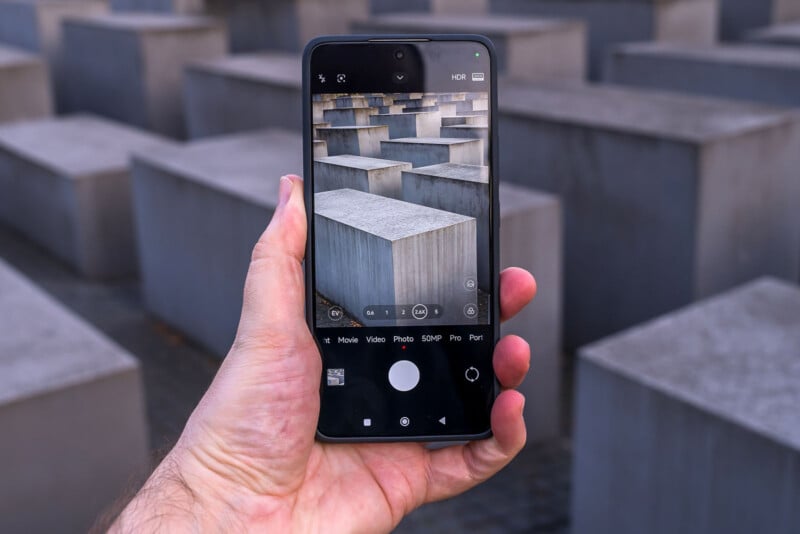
x: 404, y: 375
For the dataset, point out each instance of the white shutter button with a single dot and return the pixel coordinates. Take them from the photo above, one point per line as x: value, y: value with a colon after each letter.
x: 404, y: 375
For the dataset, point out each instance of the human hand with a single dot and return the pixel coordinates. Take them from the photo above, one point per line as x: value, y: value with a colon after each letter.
x: 248, y: 460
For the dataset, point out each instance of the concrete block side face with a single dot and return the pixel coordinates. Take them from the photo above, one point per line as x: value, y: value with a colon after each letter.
x: 19, y: 26
x: 189, y: 7
x: 348, y: 116
x: 737, y: 17
x: 694, y: 22
x: 321, y: 17
x: 264, y: 25
x: 25, y: 92
x: 402, y: 125
x: 556, y: 55
x: 356, y: 141
x: 383, y: 181
x: 786, y: 11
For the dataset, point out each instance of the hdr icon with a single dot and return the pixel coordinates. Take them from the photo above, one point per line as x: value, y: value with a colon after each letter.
x: 459, y: 77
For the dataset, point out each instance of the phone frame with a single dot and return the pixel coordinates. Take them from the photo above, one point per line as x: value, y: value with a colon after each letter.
x: 308, y: 165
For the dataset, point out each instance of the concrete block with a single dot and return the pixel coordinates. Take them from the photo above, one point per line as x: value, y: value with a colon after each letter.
x: 370, y: 175
x: 421, y: 102
x: 320, y: 148
x: 379, y: 100
x: 424, y: 124
x: 469, y: 132
x: 24, y: 86
x: 528, y: 48
x: 359, y: 116
x: 72, y: 414
x: 456, y: 7
x: 350, y: 102
x: 671, y: 197
x: 65, y: 185
x: 389, y: 110
x: 320, y: 125
x: 747, y: 72
x: 613, y: 22
x: 245, y: 93
x: 418, y: 255
x: 354, y: 140
x: 466, y: 120
x: 779, y: 34
x: 737, y: 17
x: 184, y: 7
x: 692, y: 420
x: 424, y: 151
x: 130, y: 66
x: 200, y: 209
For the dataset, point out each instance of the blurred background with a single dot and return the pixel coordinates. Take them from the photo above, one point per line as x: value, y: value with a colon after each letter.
x: 650, y: 179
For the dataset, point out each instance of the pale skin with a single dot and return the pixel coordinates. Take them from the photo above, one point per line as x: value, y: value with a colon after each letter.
x: 248, y: 459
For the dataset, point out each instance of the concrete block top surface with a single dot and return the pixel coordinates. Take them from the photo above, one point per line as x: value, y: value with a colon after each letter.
x: 273, y: 68
x: 736, y: 356
x: 780, y: 33
x: 446, y: 141
x: 490, y: 25
x: 147, y: 22
x: 361, y: 162
x: 77, y: 145
x: 246, y: 165
x: 733, y: 54
x: 13, y: 57
x: 44, y: 347
x: 515, y: 199
x: 455, y: 171
x: 688, y: 118
x: 384, y: 217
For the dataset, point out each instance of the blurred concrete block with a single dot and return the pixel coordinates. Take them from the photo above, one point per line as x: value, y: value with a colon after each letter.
x: 737, y: 17
x: 65, y: 186
x: 531, y: 237
x: 780, y: 34
x: 72, y: 414
x: 245, y: 92
x: 671, y: 197
x: 692, y: 421
x: 612, y: 22
x: 185, y: 7
x: 24, y: 86
x: 418, y: 255
x: 531, y: 49
x: 354, y: 140
x: 376, y: 176
x: 320, y: 149
x: 130, y: 66
x: 424, y: 151
x: 424, y: 124
x: 200, y: 209
x: 748, y: 72
x: 348, y: 116
x: 456, y: 7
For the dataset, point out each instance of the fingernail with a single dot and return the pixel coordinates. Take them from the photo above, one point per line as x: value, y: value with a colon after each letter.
x: 285, y: 191
x: 522, y: 407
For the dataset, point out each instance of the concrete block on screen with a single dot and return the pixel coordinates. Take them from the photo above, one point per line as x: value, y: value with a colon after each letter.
x: 245, y: 93
x: 354, y: 140
x: 24, y: 86
x: 389, y: 110
x: 65, y: 185
x: 466, y: 120
x: 350, y: 102
x: 531, y: 237
x: 528, y: 48
x: 612, y: 22
x: 129, y: 66
x: 780, y: 34
x: 692, y: 422
x: 757, y: 73
x: 737, y: 17
x: 457, y: 7
x: 186, y: 7
x: 72, y: 414
x: 371, y: 175
x: 467, y: 131
x: 418, y: 255
x: 348, y: 116
x: 200, y: 209
x: 424, y: 124
x: 320, y: 149
x: 672, y: 197
x: 424, y: 151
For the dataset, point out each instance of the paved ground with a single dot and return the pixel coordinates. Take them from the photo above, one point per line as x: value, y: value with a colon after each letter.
x: 530, y: 496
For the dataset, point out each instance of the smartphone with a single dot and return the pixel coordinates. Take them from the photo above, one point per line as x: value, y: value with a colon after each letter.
x: 402, y: 255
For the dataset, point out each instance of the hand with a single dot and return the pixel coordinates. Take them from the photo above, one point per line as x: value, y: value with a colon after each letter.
x: 247, y: 459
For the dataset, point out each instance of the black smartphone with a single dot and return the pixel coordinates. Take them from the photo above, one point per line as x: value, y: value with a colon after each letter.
x: 402, y: 255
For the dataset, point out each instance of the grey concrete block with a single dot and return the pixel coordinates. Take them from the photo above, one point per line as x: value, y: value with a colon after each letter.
x: 350, y: 102
x: 420, y: 124
x: 737, y: 17
x: 748, y: 72
x: 354, y: 140
x: 376, y: 176
x: 467, y: 131
x: 72, y: 414
x: 691, y: 421
x: 612, y: 22
x: 130, y: 66
x: 456, y: 7
x: 779, y: 34
x: 65, y: 185
x: 358, y: 116
x: 320, y: 148
x: 245, y: 92
x: 24, y: 86
x: 200, y: 209
x: 531, y: 49
x: 466, y: 120
x: 184, y: 7
x: 424, y: 151
x: 418, y: 255
x: 658, y: 194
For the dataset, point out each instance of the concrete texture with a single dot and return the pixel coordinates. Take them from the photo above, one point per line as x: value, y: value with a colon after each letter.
x: 468, y: 131
x: 376, y: 176
x: 612, y: 22
x: 691, y: 421
x: 320, y: 149
x: 244, y: 93
x: 747, y: 72
x: 456, y: 7
x: 466, y: 120
x: 72, y: 413
x: 737, y: 17
x: 348, y: 116
x: 530, y: 49
x: 780, y: 34
x: 24, y: 86
x: 424, y: 124
x: 424, y: 151
x: 130, y: 66
x: 354, y: 140
x: 658, y: 195
x: 531, y: 237
x: 418, y: 255
x: 200, y: 210
x: 185, y: 7
x: 350, y: 102
x: 65, y: 185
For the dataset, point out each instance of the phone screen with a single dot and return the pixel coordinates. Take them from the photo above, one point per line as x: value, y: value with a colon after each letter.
x: 401, y: 237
